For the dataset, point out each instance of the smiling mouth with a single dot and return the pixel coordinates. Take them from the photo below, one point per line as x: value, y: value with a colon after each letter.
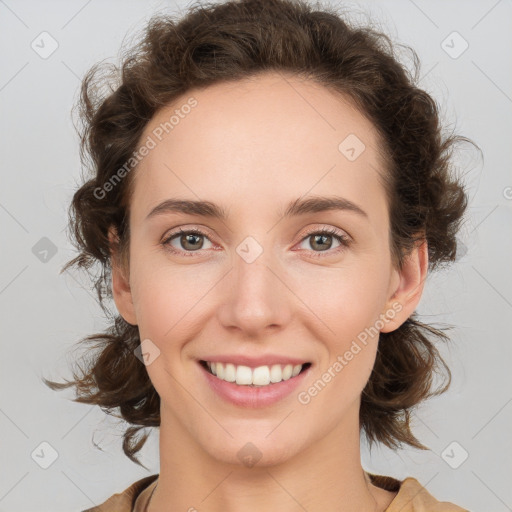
x: 255, y: 377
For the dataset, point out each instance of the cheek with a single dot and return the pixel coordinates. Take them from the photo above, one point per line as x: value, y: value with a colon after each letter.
x: 164, y: 295
x: 164, y: 303
x: 346, y: 300
x: 351, y: 310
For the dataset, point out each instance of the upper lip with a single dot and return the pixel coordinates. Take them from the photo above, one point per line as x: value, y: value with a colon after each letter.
x: 254, y: 362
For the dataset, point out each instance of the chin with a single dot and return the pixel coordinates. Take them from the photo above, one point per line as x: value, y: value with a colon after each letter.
x: 253, y: 451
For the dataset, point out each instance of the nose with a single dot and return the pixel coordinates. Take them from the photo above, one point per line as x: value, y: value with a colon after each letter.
x: 257, y: 299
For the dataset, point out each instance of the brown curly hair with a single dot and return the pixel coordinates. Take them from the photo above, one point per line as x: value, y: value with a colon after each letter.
x: 230, y: 41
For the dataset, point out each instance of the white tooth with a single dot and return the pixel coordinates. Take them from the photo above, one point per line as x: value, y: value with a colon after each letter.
x: 243, y: 375
x: 276, y: 374
x: 287, y: 372
x: 261, y: 376
x: 230, y: 373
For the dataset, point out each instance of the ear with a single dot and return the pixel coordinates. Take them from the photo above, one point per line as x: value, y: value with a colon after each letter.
x: 120, y: 281
x: 405, y: 296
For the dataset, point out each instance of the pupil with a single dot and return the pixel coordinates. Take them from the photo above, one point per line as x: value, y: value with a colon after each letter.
x: 322, y: 237
x: 191, y: 236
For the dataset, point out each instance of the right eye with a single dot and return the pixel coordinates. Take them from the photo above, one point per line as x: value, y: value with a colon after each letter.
x: 190, y: 241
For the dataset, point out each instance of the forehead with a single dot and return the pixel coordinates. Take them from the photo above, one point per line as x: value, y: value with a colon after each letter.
x: 272, y: 134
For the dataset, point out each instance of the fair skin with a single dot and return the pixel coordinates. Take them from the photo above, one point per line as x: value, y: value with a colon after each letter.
x: 252, y: 147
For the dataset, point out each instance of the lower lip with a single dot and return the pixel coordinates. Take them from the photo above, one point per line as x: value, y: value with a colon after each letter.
x: 253, y: 396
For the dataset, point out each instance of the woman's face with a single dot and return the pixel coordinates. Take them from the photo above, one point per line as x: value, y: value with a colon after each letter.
x: 260, y: 288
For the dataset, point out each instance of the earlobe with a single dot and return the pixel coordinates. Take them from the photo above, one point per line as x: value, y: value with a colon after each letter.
x: 121, y: 289
x: 406, y: 296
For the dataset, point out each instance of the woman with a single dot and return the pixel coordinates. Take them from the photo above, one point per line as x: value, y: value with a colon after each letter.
x: 270, y: 191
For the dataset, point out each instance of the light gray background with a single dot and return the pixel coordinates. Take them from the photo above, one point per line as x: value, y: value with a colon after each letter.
x: 43, y: 314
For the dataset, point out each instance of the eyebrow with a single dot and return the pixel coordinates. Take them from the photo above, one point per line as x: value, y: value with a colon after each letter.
x: 298, y: 207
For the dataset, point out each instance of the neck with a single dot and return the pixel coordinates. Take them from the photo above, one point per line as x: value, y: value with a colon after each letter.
x: 326, y: 476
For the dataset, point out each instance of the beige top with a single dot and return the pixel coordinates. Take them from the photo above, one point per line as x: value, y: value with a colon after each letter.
x: 411, y: 497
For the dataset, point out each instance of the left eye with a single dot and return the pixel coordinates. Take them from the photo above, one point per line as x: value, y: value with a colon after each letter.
x: 193, y: 240
x: 321, y: 238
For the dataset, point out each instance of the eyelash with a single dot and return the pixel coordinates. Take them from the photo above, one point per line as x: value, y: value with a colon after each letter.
x: 344, y: 241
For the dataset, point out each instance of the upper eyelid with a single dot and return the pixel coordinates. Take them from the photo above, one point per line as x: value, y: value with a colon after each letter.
x: 205, y: 231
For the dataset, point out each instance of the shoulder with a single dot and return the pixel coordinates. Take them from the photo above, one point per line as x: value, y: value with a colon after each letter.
x: 412, y: 496
x: 125, y: 500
